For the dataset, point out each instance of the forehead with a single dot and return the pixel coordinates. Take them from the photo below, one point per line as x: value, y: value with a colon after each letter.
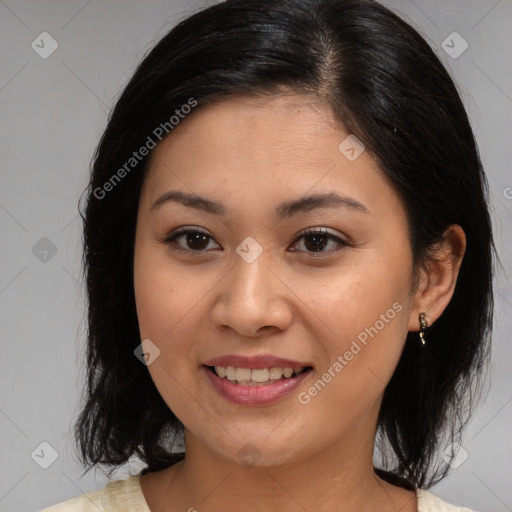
x: 263, y: 147
x: 256, y: 129
x: 283, y: 114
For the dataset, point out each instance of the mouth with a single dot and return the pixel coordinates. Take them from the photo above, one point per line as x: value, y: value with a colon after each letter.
x: 256, y: 376
x: 258, y: 381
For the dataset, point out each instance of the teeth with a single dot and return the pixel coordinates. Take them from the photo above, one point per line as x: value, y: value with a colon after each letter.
x: 242, y: 374
x: 230, y: 373
x: 256, y: 376
x: 276, y: 373
x: 260, y: 375
x: 287, y: 372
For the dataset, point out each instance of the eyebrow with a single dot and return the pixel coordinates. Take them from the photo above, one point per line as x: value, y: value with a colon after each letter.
x: 284, y: 210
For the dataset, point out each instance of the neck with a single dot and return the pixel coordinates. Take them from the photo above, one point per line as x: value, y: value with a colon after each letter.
x: 339, y: 477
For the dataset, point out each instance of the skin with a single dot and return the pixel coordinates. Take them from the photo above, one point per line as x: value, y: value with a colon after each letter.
x: 251, y: 154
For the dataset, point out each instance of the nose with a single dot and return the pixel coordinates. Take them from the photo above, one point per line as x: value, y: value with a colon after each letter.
x: 252, y: 300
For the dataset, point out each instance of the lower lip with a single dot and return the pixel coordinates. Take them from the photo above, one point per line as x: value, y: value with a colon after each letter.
x: 255, y: 395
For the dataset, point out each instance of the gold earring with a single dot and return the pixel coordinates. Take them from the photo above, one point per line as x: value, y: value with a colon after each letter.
x: 424, y: 325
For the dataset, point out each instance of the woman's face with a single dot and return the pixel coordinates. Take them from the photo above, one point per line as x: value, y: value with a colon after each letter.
x: 248, y: 289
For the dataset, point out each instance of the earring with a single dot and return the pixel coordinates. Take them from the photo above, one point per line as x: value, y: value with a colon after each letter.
x: 424, y: 325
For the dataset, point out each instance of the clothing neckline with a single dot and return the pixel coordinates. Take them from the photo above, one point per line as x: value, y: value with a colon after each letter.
x: 137, y: 491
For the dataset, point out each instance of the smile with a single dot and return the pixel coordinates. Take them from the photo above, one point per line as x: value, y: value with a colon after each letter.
x: 255, y: 376
x: 255, y: 386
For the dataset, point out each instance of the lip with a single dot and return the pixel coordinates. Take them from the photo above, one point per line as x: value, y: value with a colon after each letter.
x: 255, y: 395
x: 255, y: 362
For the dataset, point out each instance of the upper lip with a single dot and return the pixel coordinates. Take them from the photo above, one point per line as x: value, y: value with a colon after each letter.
x: 261, y: 361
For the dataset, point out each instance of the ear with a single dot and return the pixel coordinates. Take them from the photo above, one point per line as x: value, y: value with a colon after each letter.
x: 437, y: 279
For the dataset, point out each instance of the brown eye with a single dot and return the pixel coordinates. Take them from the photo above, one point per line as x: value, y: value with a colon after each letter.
x: 317, y: 239
x: 189, y: 239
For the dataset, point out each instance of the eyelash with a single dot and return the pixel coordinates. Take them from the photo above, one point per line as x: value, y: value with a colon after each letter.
x: 168, y: 240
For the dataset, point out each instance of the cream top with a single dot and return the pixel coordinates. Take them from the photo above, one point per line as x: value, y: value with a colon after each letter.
x: 126, y: 496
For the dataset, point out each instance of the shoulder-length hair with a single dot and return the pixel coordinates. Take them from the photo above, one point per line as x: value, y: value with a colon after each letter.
x: 385, y: 85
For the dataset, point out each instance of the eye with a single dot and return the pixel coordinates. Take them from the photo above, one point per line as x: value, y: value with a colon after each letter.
x: 194, y: 239
x: 316, y: 239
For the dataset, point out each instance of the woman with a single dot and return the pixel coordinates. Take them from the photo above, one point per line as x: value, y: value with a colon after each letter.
x: 288, y: 256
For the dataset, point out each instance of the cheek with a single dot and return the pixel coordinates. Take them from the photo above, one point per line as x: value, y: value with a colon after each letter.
x: 161, y: 294
x: 164, y: 304
x: 368, y: 313
x: 365, y: 306
x: 168, y: 302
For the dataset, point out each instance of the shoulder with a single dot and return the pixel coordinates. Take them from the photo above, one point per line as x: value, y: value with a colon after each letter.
x: 118, y: 495
x: 428, y: 502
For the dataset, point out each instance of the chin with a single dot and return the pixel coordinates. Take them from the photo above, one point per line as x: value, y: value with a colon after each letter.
x: 259, y: 450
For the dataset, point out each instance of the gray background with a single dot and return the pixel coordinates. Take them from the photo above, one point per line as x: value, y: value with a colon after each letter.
x: 53, y: 112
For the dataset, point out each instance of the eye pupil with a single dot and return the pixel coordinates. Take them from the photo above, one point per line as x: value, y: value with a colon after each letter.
x: 199, y: 238
x: 316, y: 245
